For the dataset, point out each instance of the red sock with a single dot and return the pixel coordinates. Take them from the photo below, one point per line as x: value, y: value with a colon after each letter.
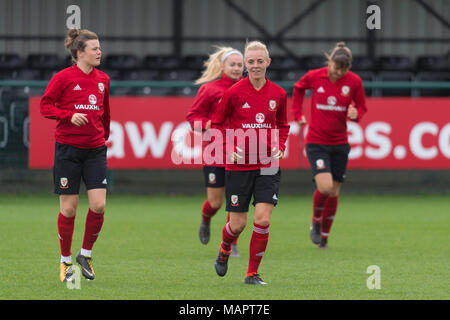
x: 94, y: 222
x: 65, y: 232
x: 258, y: 245
x: 328, y: 213
x: 228, y: 220
x: 208, y: 212
x: 227, y: 237
x: 318, y: 205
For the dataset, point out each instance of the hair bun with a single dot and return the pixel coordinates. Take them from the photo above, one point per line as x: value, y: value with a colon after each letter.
x: 340, y: 44
x: 73, y: 33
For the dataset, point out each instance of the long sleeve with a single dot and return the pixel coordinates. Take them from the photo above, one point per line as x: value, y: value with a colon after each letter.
x: 106, y: 117
x: 51, y: 99
x: 282, y: 123
x: 200, y: 108
x: 220, y: 117
x: 360, y: 101
x: 223, y: 110
x: 298, y: 95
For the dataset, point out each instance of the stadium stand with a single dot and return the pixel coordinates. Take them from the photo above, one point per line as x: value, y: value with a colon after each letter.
x: 394, y: 68
x: 313, y: 62
x: 8, y: 64
x: 432, y: 64
x: 441, y: 76
x: 179, y: 75
x: 283, y: 63
x: 194, y: 62
x: 122, y: 62
x: 363, y: 63
x: 130, y: 67
x: 43, y: 61
x: 161, y: 62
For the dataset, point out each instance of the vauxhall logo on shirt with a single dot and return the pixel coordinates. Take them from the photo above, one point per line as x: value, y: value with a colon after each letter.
x: 331, y: 105
x: 259, y: 119
x: 91, y: 106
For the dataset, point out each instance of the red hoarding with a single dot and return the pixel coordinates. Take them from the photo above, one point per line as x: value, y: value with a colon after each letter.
x: 152, y: 133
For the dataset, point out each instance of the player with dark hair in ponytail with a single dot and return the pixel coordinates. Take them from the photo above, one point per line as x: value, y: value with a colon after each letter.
x: 337, y: 96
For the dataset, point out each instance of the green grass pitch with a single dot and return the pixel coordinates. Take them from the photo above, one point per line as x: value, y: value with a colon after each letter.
x: 149, y: 249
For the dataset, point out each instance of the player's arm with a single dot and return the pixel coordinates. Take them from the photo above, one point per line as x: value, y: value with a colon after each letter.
x: 200, y: 109
x: 224, y: 110
x: 282, y: 125
x: 356, y: 112
x: 106, y: 117
x: 297, y: 98
x: 49, y: 100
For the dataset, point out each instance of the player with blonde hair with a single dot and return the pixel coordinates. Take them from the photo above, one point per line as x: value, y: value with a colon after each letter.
x: 256, y: 106
x: 223, y: 69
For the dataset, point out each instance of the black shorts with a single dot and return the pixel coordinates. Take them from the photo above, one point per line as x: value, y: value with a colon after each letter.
x: 72, y: 163
x: 241, y: 185
x: 328, y: 158
x: 214, y: 177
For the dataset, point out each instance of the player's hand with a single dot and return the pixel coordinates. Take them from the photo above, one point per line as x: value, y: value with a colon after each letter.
x: 352, y: 112
x: 302, y: 121
x: 279, y: 154
x: 236, y: 155
x: 208, y: 125
x: 79, y: 119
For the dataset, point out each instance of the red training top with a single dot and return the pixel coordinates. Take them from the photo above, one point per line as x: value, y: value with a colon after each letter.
x: 330, y: 101
x: 73, y: 91
x: 253, y: 115
x: 205, y: 106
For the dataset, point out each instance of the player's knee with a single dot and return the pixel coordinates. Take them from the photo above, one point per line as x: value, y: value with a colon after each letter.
x: 98, y: 206
x: 238, y: 227
x: 334, y: 193
x: 262, y: 221
x: 69, y: 211
x: 326, y: 189
x: 215, y: 203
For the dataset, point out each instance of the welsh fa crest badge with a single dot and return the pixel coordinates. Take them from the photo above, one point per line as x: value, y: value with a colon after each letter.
x: 64, y: 183
x: 101, y: 87
x: 345, y: 90
x: 272, y: 105
x: 234, y: 200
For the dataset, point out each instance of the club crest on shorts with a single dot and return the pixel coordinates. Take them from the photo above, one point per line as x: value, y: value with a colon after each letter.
x: 64, y: 183
x: 345, y: 90
x: 320, y: 164
x: 272, y: 105
x: 101, y: 87
x: 260, y: 117
x: 234, y: 200
x: 92, y: 99
x: 212, y: 178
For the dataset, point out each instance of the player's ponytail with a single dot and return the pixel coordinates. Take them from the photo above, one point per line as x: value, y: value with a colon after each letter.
x: 76, y: 40
x: 213, y: 66
x: 341, y: 56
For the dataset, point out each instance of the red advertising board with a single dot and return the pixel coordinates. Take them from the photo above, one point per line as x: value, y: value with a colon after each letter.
x: 152, y: 133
